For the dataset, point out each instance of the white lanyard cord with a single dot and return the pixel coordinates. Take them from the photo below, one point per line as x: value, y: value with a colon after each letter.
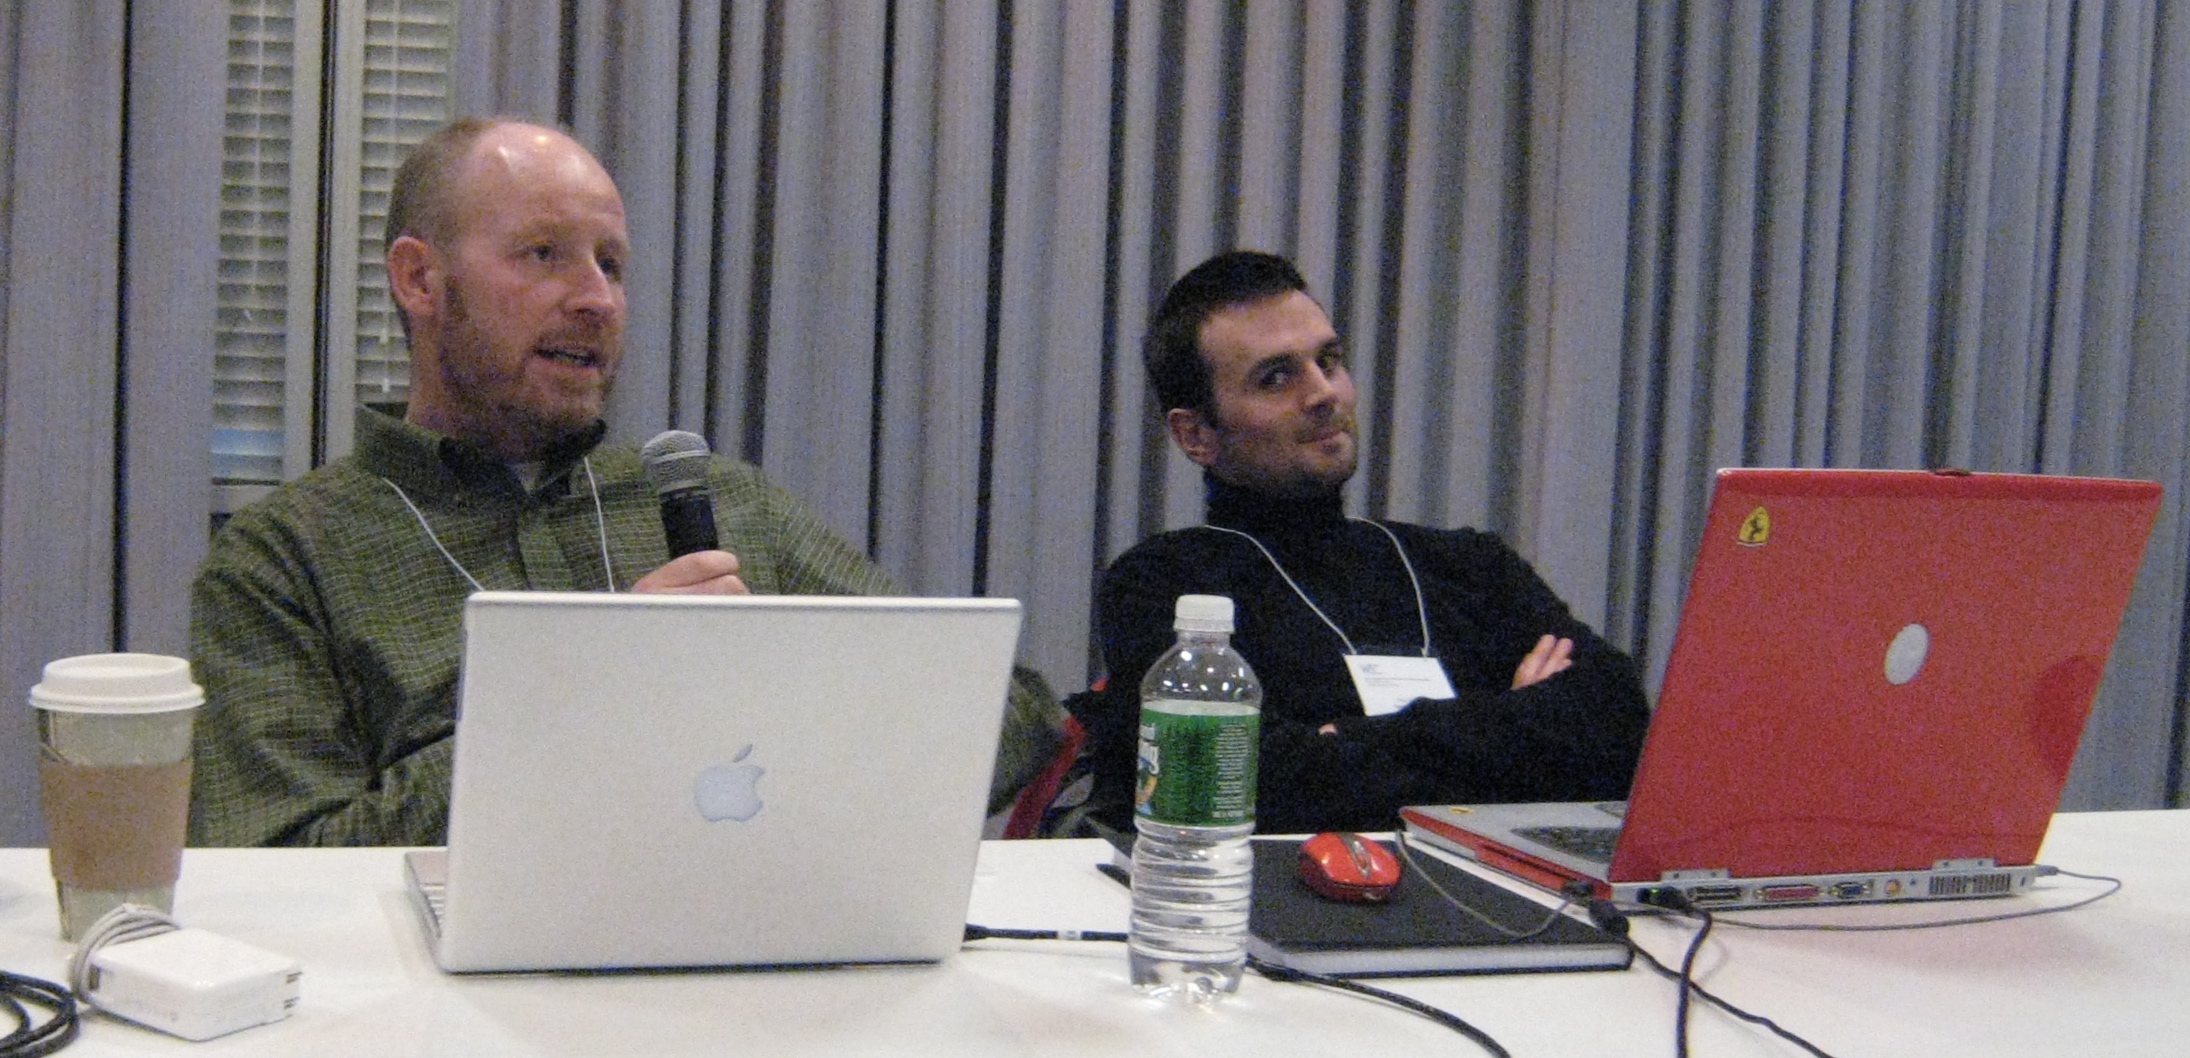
x: 1421, y: 608
x: 600, y: 524
x: 599, y: 519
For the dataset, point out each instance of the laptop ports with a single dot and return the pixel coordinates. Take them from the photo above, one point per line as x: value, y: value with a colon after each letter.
x: 1713, y: 894
x: 1787, y: 894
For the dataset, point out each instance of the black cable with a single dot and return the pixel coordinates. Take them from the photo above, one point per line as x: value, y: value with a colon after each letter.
x: 974, y: 933
x: 1712, y: 998
x: 1443, y: 1017
x: 1269, y: 970
x: 1675, y: 901
x: 1672, y: 901
x: 32, y: 1039
x: 1688, y: 986
x: 1611, y: 918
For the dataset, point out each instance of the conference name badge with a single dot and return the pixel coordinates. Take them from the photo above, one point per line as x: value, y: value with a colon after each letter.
x: 1386, y: 683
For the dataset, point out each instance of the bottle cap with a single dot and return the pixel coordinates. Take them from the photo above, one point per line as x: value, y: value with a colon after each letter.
x: 1203, y: 613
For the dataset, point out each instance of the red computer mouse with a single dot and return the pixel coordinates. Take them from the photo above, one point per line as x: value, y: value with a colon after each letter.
x: 1349, y: 867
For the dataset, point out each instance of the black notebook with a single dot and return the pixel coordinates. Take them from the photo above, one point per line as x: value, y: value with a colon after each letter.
x: 1417, y: 931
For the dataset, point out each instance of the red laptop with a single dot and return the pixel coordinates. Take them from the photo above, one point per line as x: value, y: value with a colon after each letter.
x: 1878, y: 685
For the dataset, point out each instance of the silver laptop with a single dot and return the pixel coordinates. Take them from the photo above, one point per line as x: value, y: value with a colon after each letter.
x: 655, y: 781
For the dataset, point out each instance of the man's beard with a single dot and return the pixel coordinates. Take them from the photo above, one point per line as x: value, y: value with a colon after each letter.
x: 1296, y: 481
x: 496, y: 408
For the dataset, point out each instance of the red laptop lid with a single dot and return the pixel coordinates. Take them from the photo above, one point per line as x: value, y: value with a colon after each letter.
x: 1879, y: 670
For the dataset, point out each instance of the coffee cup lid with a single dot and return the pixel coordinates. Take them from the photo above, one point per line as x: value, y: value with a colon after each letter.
x: 117, y: 683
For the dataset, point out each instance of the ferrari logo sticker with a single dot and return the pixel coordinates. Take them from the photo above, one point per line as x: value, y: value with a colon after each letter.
x: 1755, y: 529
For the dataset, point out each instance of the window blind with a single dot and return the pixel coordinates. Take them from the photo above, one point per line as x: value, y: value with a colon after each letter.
x: 386, y: 63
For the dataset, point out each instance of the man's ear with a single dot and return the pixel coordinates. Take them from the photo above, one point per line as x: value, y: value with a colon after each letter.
x: 1193, y: 433
x: 415, y: 276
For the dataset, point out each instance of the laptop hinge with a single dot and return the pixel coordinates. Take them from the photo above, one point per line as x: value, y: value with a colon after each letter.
x: 1709, y: 874
x: 1979, y: 863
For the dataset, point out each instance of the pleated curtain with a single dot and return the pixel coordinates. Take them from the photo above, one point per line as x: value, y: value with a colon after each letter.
x: 902, y: 254
x: 1583, y: 254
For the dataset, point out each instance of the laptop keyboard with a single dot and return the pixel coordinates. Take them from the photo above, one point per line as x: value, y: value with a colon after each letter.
x: 1593, y: 843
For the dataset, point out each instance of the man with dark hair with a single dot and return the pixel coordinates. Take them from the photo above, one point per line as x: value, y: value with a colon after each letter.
x: 326, y: 621
x: 1172, y: 348
x: 1399, y: 664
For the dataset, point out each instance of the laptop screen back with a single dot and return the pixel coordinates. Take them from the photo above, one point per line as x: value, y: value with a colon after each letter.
x: 663, y: 781
x: 1879, y: 670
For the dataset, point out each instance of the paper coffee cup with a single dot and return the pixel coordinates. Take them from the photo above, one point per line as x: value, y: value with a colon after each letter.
x: 114, y: 772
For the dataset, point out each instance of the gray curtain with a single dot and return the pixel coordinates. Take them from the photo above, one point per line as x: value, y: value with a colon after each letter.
x: 1914, y: 236
x: 108, y: 244
x: 901, y: 255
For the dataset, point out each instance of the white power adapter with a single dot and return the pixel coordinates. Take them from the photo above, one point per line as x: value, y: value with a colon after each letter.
x: 192, y: 983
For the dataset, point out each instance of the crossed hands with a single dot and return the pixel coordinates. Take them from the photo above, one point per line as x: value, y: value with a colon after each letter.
x: 1551, y: 655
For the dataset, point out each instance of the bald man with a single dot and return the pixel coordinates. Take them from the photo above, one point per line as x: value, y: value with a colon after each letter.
x: 327, y: 620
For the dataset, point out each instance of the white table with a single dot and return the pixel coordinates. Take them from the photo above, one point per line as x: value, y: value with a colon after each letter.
x: 2112, y: 979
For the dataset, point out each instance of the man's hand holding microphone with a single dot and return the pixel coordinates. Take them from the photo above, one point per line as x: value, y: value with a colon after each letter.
x: 676, y: 462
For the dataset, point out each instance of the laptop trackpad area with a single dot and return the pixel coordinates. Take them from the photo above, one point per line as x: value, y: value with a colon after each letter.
x: 1591, y: 835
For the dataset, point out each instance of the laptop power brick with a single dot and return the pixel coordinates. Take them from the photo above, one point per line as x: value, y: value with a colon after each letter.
x: 192, y: 983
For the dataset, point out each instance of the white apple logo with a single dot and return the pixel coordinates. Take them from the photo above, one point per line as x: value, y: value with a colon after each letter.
x: 1905, y: 655
x: 729, y: 791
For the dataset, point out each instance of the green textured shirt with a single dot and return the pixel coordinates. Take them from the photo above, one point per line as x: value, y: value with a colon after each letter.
x: 326, y: 621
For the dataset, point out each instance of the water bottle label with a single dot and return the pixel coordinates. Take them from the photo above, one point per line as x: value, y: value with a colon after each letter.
x: 1197, y: 763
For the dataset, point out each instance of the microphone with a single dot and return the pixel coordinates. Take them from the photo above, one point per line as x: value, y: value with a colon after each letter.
x: 676, y: 462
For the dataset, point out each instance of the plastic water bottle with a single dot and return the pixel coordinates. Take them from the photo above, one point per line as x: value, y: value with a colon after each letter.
x: 1194, y: 808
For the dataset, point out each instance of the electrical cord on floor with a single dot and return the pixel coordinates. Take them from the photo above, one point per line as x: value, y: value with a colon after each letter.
x: 32, y: 1038
x: 1272, y: 972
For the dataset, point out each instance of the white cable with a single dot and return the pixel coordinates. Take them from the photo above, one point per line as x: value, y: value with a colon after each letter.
x: 431, y: 535
x: 1421, y: 606
x: 137, y: 964
x: 600, y: 521
x: 124, y: 923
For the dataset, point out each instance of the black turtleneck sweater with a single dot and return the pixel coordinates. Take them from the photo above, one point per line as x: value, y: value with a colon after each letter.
x: 1575, y: 736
